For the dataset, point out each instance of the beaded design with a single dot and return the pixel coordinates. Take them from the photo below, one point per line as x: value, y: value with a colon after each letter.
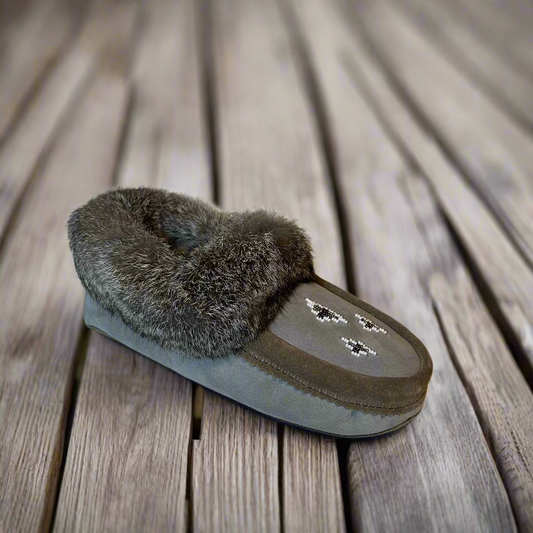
x: 358, y: 348
x: 368, y: 324
x: 323, y: 314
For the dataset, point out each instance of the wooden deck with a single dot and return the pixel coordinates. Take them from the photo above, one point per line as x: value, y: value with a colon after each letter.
x: 398, y: 132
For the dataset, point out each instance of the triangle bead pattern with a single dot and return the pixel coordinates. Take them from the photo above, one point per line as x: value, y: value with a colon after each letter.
x: 357, y: 348
x: 323, y: 314
x: 368, y: 324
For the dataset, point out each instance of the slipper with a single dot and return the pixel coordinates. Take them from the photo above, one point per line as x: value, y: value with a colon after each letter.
x: 231, y: 302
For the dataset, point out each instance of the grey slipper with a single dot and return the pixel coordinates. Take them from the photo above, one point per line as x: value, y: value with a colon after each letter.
x: 231, y: 301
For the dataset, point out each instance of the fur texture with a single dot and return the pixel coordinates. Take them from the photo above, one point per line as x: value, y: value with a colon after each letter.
x: 183, y: 273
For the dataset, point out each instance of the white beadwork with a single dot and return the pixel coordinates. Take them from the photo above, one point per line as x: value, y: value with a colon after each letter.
x: 358, y: 348
x: 368, y: 324
x: 323, y: 314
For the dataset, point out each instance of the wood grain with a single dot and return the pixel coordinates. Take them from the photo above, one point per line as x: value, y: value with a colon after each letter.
x: 127, y: 459
x: 106, y: 33
x: 507, y: 275
x: 314, y: 505
x: 502, y: 398
x: 422, y: 477
x: 494, y: 151
x: 264, y: 127
x: 235, y: 470
x: 40, y: 310
x: 126, y: 468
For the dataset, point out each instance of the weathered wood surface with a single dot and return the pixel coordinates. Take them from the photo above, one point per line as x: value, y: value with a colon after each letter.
x: 107, y: 31
x: 399, y: 254
x: 506, y: 83
x: 311, y: 494
x: 497, y: 388
x: 235, y: 470
x: 507, y: 274
x: 494, y: 151
x: 40, y: 311
x: 264, y: 125
x: 350, y: 116
x: 126, y: 468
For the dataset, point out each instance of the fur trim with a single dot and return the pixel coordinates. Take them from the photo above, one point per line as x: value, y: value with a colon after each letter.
x: 183, y: 273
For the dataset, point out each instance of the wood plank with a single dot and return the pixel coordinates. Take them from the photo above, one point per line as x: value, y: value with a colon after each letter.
x: 264, y: 127
x: 40, y: 310
x: 127, y: 463
x: 400, y: 247
x: 312, y: 496
x: 167, y: 143
x: 473, y: 55
x: 235, y: 467
x: 126, y: 467
x: 107, y: 31
x: 30, y: 42
x: 494, y: 151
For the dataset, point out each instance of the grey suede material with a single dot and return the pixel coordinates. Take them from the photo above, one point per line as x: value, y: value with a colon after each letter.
x: 235, y: 378
x: 298, y: 326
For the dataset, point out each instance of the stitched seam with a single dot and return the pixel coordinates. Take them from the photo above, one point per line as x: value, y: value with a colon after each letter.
x: 333, y: 398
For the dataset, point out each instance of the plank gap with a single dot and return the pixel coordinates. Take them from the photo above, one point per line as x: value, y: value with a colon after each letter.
x: 313, y: 93
x: 189, y: 489
x: 124, y: 136
x: 281, y: 433
x: 462, y: 376
x: 204, y: 22
x: 343, y: 446
x: 197, y: 411
x: 70, y: 406
x: 345, y: 58
x: 139, y: 26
